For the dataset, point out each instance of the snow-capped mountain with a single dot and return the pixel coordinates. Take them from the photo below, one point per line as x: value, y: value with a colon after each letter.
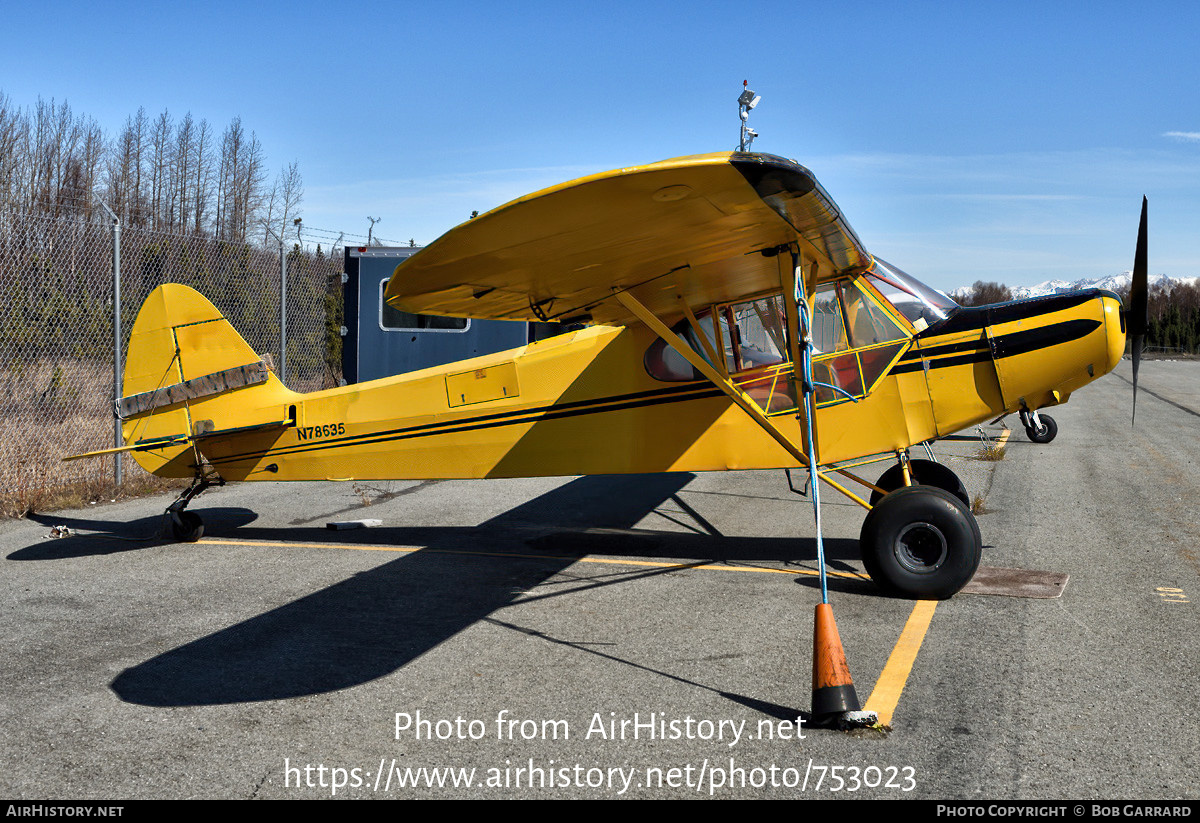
x: 1114, y: 282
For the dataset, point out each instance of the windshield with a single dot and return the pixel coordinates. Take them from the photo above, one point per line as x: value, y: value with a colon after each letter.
x: 922, y: 305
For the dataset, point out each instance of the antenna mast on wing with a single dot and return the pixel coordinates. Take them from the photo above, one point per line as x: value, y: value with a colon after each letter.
x: 746, y: 101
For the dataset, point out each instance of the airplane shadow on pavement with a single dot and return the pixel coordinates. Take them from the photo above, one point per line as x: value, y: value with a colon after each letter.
x: 94, y: 537
x: 375, y: 622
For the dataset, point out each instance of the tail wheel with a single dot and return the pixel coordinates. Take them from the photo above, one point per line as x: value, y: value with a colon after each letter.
x: 921, y: 542
x: 1045, y: 433
x: 924, y: 473
x: 187, y: 527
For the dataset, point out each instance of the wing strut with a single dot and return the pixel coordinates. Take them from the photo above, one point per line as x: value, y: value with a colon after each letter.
x: 713, y: 357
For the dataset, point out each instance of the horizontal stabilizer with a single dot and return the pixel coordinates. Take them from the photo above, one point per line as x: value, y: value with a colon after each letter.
x: 157, y: 443
x: 205, y: 430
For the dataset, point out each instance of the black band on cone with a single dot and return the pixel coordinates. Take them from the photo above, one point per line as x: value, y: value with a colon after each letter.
x: 834, y: 700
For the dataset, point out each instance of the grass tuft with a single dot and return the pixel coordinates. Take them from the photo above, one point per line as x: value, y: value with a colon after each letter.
x: 991, y: 452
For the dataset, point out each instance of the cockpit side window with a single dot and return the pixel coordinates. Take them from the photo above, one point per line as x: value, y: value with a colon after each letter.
x: 828, y: 322
x: 664, y: 363
x: 869, y: 324
x: 755, y: 333
x: 749, y: 335
x: 855, y: 337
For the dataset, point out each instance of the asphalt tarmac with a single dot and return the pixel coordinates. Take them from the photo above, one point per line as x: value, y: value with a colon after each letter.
x: 607, y: 637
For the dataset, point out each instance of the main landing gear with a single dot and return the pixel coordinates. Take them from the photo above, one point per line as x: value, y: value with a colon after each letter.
x: 1040, y: 428
x: 921, y: 540
x: 187, y: 527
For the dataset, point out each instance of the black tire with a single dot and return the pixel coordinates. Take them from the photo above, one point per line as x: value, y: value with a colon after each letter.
x: 921, y: 542
x: 187, y: 527
x: 925, y: 473
x: 1046, y: 433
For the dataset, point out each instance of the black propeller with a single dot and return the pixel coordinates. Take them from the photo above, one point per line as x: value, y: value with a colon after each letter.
x: 1136, y: 316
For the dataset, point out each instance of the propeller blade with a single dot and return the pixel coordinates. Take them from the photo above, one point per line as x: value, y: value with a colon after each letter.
x: 1137, y: 316
x: 1136, y: 349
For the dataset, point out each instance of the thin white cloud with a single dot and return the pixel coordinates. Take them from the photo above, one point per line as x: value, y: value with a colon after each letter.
x: 1193, y: 136
x: 1011, y: 197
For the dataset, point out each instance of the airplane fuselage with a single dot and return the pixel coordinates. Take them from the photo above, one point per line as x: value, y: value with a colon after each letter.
x: 585, y: 403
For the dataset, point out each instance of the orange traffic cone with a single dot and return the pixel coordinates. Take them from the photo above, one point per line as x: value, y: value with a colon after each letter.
x: 833, y: 689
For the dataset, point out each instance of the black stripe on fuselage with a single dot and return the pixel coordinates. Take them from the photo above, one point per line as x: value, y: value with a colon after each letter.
x: 1023, y: 342
x: 950, y: 348
x: 1005, y: 345
x: 945, y: 362
x: 556, y: 411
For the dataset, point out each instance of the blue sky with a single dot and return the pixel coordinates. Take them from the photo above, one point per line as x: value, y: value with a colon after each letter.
x: 963, y: 141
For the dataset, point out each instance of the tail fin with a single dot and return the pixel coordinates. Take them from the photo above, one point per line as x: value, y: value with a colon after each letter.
x: 189, y: 374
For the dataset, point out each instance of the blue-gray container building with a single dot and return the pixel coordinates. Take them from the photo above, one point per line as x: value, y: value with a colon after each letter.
x: 380, y: 341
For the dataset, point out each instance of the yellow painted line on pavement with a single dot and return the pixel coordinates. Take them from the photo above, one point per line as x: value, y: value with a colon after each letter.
x: 288, y: 545
x: 607, y: 561
x: 895, y: 673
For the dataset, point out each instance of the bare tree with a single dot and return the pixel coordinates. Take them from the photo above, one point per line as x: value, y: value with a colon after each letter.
x: 202, y: 155
x: 250, y: 187
x: 92, y: 152
x: 239, y: 182
x: 14, y: 133
x: 118, y: 179
x: 271, y: 208
x: 283, y: 202
x: 181, y: 171
x: 160, y: 167
x: 41, y: 155
x: 983, y: 294
x: 66, y: 173
x: 137, y: 127
x: 232, y: 150
x: 123, y: 177
x: 49, y: 159
x: 158, y: 173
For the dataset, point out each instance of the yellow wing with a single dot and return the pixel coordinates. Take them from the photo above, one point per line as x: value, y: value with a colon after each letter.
x: 690, y: 227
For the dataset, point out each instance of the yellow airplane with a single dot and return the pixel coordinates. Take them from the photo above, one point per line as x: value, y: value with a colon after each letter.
x: 699, y: 283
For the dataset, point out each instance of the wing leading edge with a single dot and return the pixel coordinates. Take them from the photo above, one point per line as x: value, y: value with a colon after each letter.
x: 690, y: 227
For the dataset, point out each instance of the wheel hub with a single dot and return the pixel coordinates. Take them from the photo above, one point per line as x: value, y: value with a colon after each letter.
x: 921, y: 548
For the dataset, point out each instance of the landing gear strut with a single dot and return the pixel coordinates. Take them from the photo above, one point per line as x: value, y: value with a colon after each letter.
x: 187, y: 527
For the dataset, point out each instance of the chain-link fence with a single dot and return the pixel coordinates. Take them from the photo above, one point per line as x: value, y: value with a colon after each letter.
x: 56, y: 327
